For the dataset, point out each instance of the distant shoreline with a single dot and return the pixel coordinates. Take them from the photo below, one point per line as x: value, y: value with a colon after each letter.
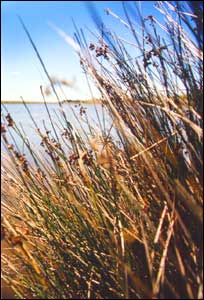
x: 96, y: 101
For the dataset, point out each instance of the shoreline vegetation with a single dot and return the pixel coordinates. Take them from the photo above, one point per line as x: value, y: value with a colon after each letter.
x: 88, y: 101
x: 97, y: 216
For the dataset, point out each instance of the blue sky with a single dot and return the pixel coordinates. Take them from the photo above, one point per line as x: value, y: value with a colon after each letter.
x: 22, y: 73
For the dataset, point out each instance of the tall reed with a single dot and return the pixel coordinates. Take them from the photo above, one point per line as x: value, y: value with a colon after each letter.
x: 115, y: 217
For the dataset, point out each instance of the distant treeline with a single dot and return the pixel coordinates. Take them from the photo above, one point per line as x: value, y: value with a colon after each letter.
x: 89, y: 101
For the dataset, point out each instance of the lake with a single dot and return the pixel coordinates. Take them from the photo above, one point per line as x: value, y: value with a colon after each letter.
x: 94, y: 113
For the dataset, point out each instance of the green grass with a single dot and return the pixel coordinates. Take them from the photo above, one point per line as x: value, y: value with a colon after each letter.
x: 115, y: 218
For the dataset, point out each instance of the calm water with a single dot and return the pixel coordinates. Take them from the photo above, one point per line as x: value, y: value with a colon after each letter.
x: 40, y: 115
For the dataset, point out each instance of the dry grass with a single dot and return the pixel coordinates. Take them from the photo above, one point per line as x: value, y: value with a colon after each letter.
x: 115, y: 217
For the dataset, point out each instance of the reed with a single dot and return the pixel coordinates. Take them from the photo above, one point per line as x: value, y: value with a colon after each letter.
x: 103, y: 217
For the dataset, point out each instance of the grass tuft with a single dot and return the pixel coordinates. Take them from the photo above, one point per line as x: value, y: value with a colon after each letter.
x: 103, y: 216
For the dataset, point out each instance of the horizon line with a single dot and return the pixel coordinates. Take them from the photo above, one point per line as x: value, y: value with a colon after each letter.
x: 52, y: 101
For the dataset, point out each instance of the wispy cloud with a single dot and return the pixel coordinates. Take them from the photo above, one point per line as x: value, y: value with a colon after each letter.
x: 67, y: 38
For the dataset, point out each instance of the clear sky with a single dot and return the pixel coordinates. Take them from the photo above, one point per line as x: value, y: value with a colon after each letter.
x: 22, y: 73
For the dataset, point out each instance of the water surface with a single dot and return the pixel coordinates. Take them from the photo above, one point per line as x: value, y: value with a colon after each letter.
x: 96, y: 115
